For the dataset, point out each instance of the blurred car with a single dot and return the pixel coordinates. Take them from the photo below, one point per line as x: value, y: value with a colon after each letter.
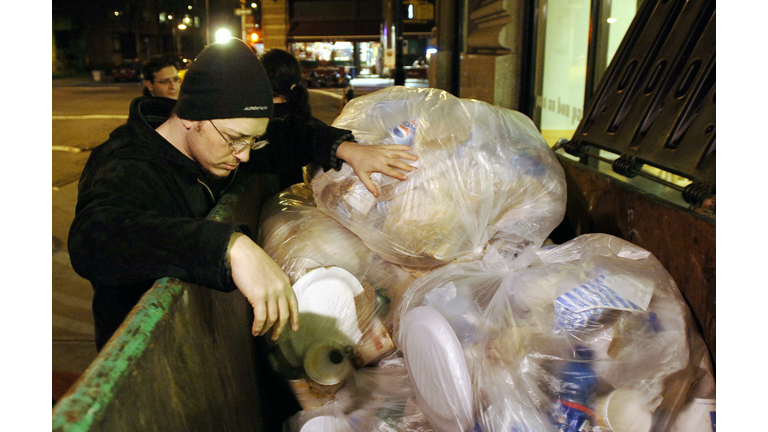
x: 330, y: 76
x: 182, y: 62
x: 129, y: 70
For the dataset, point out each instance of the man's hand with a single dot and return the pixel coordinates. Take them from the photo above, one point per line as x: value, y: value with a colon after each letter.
x: 368, y: 159
x: 265, y: 285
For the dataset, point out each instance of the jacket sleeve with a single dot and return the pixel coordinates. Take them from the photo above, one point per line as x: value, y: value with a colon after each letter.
x: 126, y: 231
x: 295, y: 142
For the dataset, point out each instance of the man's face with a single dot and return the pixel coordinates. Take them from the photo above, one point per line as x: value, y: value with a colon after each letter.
x: 206, y: 146
x: 166, y: 84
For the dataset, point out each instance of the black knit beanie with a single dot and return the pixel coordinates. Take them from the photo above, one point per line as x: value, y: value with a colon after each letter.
x: 226, y: 80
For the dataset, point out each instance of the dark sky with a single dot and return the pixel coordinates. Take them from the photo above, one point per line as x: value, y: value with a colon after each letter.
x: 222, y: 11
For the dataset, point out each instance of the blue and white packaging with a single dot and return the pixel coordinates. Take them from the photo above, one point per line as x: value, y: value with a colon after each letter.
x: 405, y: 132
x: 586, y: 303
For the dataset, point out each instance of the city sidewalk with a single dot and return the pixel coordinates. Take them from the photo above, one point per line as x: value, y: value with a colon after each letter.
x: 73, y: 346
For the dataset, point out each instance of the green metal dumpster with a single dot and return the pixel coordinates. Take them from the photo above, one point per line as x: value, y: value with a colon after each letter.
x: 184, y: 359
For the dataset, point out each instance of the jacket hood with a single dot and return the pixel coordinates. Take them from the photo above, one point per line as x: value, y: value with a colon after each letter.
x: 138, y: 139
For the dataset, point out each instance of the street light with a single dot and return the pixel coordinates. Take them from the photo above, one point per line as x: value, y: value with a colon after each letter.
x: 223, y: 34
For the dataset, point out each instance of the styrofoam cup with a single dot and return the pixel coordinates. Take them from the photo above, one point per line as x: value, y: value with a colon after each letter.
x: 623, y: 410
x: 326, y: 364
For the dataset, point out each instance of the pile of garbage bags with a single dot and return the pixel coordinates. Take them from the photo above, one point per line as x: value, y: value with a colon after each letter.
x: 547, y: 341
x: 439, y: 307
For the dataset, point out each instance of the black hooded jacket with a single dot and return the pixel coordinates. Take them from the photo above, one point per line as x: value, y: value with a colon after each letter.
x: 142, y: 207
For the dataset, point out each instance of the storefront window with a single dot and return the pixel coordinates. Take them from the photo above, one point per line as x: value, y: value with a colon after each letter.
x: 614, y: 21
x: 337, y: 52
x: 369, y: 56
x: 320, y: 54
x: 563, y: 44
x: 566, y: 38
x: 619, y: 19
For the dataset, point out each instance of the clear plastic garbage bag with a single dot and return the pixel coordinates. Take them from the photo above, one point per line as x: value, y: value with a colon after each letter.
x: 347, y: 296
x: 483, y: 172
x: 591, y: 335
x: 299, y: 237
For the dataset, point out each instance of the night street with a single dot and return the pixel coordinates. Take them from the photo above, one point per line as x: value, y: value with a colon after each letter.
x: 540, y: 254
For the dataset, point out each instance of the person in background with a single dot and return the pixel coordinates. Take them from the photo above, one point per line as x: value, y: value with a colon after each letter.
x: 349, y: 94
x: 161, y: 78
x: 289, y: 96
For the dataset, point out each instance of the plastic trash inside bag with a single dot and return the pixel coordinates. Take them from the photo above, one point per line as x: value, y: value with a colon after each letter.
x: 591, y: 335
x: 347, y: 296
x: 374, y: 399
x: 483, y: 172
x: 299, y: 237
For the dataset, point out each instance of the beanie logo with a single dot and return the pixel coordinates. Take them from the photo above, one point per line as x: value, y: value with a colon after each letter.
x: 255, y: 108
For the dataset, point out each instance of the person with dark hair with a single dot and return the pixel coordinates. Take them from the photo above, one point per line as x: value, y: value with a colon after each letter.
x: 349, y: 94
x: 144, y: 194
x: 161, y: 78
x: 289, y: 96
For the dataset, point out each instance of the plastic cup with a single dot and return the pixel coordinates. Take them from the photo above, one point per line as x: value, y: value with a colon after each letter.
x: 374, y: 345
x: 623, y: 410
x: 326, y: 364
x: 326, y: 423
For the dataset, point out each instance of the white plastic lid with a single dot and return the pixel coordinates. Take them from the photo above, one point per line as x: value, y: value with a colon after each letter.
x: 326, y: 298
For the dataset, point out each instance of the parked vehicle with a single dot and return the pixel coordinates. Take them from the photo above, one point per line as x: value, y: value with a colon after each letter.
x: 129, y: 70
x: 331, y: 76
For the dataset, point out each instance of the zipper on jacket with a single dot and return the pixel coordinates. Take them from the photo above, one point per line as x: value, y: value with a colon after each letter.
x: 213, y: 198
x: 231, y: 180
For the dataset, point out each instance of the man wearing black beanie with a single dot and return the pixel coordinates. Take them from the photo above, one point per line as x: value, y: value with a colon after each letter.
x: 144, y: 194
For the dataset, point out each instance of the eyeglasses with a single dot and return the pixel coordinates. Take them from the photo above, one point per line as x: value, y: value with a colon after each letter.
x: 238, y: 146
x: 166, y: 81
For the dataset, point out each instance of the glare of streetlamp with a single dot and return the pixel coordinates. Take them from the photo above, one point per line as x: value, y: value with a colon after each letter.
x: 182, y: 26
x: 223, y: 34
